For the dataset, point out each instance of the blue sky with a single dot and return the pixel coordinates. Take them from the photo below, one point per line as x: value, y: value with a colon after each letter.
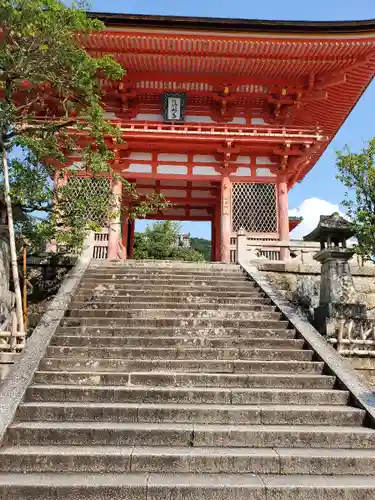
x: 319, y: 191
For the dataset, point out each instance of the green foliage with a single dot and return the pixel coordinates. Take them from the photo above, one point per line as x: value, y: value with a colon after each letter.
x: 187, y: 254
x: 160, y: 242
x: 357, y: 172
x: 202, y: 246
x: 46, y: 73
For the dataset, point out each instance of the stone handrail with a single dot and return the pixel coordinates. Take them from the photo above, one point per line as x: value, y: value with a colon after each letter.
x: 301, y: 252
x: 361, y: 393
x: 13, y: 389
x: 348, y: 335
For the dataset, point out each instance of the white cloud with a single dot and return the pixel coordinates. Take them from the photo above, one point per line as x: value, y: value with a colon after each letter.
x: 311, y: 209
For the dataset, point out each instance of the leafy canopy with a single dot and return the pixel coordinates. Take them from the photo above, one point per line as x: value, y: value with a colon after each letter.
x: 50, y: 108
x: 357, y: 172
x: 160, y: 242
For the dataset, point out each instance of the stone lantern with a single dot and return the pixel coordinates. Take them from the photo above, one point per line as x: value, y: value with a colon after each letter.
x: 337, y: 292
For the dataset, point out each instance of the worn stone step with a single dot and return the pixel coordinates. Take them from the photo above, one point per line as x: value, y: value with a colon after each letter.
x: 200, y: 435
x: 183, y: 304
x: 274, y: 331
x: 150, y: 264
x: 188, y: 379
x: 208, y: 366
x: 169, y: 301
x: 144, y: 486
x: 87, y: 338
x: 110, y: 347
x: 191, y: 395
x: 123, y: 287
x: 144, y: 459
x: 198, y: 413
x: 177, y: 322
x: 196, y: 294
x: 251, y: 312
x: 162, y: 273
x: 165, y: 459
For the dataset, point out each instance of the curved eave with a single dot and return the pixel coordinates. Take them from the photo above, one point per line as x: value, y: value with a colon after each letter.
x: 236, y: 25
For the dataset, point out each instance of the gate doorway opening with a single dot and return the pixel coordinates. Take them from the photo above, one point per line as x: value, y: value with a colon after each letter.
x: 168, y: 239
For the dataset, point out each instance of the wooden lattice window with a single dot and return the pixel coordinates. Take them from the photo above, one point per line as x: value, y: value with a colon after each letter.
x: 254, y: 208
x: 85, y: 188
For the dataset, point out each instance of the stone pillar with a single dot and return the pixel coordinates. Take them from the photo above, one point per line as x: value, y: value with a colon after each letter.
x: 282, y: 214
x: 115, y: 226
x: 242, y: 256
x: 225, y: 218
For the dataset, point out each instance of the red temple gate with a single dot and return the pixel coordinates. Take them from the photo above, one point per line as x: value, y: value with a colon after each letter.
x: 223, y: 117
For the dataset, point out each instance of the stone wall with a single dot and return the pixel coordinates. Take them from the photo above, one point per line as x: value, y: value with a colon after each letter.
x: 300, y: 284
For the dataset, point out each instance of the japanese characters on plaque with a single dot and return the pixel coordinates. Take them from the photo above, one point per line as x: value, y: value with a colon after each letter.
x: 174, y: 106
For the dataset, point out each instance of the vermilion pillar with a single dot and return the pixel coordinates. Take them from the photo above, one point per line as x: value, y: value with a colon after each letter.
x: 131, y: 238
x: 225, y: 218
x: 217, y: 231
x: 283, y: 218
x: 115, y: 226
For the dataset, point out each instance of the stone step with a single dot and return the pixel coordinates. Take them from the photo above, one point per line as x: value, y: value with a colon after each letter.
x: 175, y: 321
x: 161, y: 273
x: 150, y: 265
x: 88, y: 338
x: 164, y: 459
x: 274, y: 332
x: 106, y: 347
x: 100, y: 298
x: 193, y: 395
x: 144, y: 486
x: 252, y: 312
x: 155, y: 285
x: 173, y: 277
x: 189, y: 435
x: 258, y: 305
x: 207, y: 366
x: 196, y: 294
x: 188, y: 379
x: 198, y: 413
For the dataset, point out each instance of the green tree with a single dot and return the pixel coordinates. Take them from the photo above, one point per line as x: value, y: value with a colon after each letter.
x: 160, y: 241
x: 357, y: 172
x: 50, y: 107
x: 202, y: 246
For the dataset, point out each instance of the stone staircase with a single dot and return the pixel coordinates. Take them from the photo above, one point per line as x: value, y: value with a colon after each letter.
x: 172, y: 381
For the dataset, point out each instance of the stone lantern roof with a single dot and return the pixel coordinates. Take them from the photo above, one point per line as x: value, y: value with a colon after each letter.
x: 331, y: 227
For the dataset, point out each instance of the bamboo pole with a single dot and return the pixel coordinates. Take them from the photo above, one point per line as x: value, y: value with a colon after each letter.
x: 25, y: 306
x: 12, y: 241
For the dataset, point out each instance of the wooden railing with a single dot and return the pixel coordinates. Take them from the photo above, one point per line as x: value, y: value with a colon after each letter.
x: 10, y: 339
x: 100, y: 247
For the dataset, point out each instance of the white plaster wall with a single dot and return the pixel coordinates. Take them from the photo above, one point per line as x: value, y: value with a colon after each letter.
x: 172, y: 169
x: 242, y: 172
x: 172, y: 157
x: 140, y: 156
x: 264, y: 172
x: 205, y: 159
x: 204, y: 170
x: 149, y: 117
x: 140, y: 168
x: 263, y: 160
